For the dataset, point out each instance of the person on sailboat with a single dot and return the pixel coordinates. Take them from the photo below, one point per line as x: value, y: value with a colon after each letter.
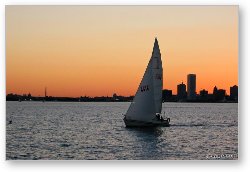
x: 162, y: 119
x: 158, y: 116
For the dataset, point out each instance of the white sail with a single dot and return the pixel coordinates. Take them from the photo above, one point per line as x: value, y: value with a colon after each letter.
x: 148, y: 98
x: 157, y: 77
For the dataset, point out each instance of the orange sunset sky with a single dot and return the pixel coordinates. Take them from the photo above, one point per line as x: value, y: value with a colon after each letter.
x: 101, y: 50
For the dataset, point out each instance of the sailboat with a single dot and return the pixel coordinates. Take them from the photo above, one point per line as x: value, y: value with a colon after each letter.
x: 145, y: 109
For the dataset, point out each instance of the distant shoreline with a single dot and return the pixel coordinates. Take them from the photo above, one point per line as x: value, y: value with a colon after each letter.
x: 116, y: 98
x: 115, y: 101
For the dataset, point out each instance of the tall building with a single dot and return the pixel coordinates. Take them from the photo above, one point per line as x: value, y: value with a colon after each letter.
x: 166, y: 95
x: 191, y: 87
x: 234, y: 92
x: 219, y: 94
x: 181, y: 91
x: 215, y: 90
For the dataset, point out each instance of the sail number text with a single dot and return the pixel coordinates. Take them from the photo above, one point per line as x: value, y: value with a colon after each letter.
x: 144, y: 88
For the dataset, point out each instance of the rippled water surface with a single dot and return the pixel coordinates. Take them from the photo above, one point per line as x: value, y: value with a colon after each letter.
x: 80, y: 130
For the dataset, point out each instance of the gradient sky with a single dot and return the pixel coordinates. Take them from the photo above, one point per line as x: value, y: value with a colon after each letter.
x: 101, y: 50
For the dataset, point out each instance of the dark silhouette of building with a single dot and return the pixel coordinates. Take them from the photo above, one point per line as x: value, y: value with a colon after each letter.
x: 29, y: 97
x: 219, y: 94
x: 234, y: 92
x: 181, y: 91
x: 191, y: 87
x: 119, y: 98
x: 166, y: 95
x: 203, y: 95
x: 215, y: 90
x: 13, y: 97
x: 115, y: 96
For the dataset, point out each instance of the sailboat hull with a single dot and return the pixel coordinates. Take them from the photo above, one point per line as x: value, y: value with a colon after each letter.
x: 136, y: 123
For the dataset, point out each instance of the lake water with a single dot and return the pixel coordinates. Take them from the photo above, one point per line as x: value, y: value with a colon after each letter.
x: 91, y: 130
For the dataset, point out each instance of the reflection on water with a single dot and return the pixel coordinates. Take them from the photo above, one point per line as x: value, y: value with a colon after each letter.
x: 154, y: 131
x: 148, y: 139
x: 54, y: 130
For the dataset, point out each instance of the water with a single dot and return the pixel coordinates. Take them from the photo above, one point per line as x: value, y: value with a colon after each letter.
x: 81, y: 130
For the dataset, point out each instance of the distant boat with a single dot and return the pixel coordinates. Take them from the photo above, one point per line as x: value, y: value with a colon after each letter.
x: 145, y: 109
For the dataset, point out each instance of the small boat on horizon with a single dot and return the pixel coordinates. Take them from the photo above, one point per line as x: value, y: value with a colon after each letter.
x: 145, y: 109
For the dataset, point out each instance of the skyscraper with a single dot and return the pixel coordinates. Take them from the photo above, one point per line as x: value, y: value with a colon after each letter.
x: 181, y: 91
x: 191, y: 86
x: 234, y: 92
x: 166, y: 95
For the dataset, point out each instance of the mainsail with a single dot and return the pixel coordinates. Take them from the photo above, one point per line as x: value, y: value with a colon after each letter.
x: 148, y: 98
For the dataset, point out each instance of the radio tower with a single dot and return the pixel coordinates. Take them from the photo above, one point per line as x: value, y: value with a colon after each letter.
x: 45, y: 92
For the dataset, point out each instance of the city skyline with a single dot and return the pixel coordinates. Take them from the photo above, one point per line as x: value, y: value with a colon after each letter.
x: 182, y: 88
x: 218, y: 96
x: 79, y: 50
